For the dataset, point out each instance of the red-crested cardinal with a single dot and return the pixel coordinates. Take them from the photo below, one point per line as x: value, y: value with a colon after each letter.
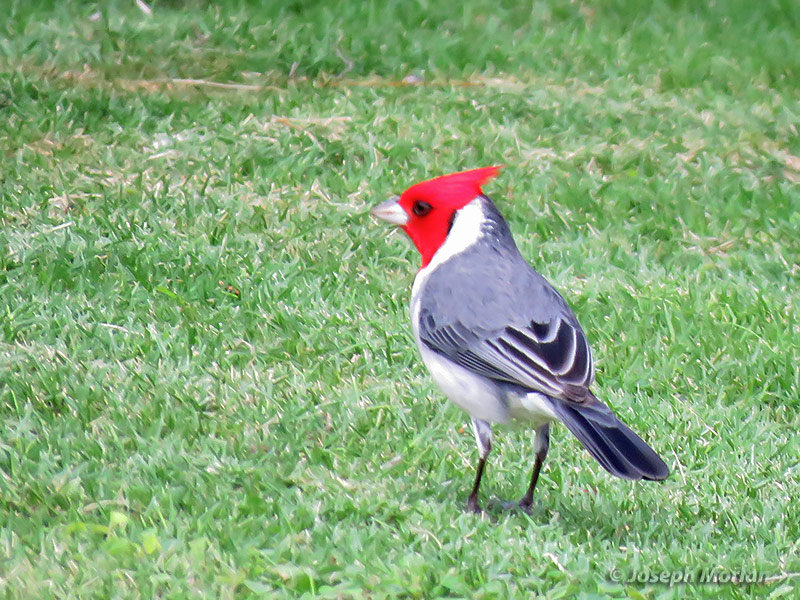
x: 497, y: 338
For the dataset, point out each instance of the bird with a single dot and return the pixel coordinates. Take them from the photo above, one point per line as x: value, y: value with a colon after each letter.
x: 497, y: 338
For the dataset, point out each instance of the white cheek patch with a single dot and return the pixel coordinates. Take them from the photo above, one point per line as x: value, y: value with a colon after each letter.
x: 466, y: 230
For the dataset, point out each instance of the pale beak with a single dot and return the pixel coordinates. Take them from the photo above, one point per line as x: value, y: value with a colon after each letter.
x: 391, y: 212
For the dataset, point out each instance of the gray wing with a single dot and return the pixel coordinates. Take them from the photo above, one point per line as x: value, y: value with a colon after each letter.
x: 553, y: 357
x: 506, y: 323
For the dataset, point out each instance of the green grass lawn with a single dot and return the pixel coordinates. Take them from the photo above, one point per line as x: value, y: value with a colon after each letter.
x: 165, y: 435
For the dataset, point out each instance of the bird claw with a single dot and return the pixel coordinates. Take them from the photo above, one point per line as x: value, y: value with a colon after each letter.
x: 525, y: 506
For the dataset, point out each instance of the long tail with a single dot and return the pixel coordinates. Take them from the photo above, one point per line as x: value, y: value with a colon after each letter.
x: 615, y: 446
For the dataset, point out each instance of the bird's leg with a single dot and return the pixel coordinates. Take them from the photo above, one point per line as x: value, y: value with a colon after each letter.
x: 541, y: 445
x: 483, y: 438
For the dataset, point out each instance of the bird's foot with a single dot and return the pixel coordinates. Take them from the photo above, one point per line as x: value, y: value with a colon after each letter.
x: 472, y: 505
x: 525, y: 505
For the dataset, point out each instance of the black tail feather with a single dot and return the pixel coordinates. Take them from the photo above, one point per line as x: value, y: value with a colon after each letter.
x: 615, y: 446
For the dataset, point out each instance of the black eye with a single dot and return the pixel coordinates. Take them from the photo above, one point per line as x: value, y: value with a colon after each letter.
x: 421, y: 208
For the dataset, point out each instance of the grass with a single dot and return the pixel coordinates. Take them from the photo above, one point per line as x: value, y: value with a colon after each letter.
x: 165, y: 435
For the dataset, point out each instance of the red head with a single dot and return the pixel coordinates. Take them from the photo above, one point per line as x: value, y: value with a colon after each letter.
x: 425, y: 210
